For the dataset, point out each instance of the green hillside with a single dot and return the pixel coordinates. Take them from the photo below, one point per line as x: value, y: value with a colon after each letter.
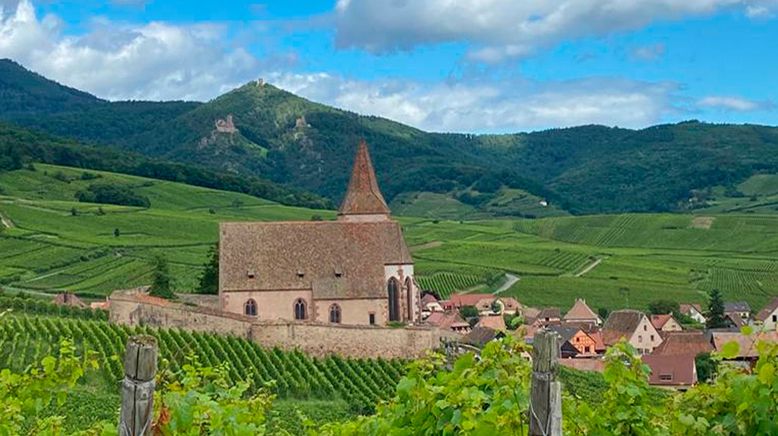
x: 56, y: 242
x: 303, y: 144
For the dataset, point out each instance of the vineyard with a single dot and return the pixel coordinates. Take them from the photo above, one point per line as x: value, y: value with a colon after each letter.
x: 443, y: 284
x: 361, y: 383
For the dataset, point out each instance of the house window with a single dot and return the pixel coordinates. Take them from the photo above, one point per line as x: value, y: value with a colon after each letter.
x: 640, y: 338
x: 578, y: 339
x: 775, y: 318
x: 250, y: 307
x: 335, y: 314
x: 300, y: 309
x: 371, y: 318
x: 645, y: 328
x: 393, y: 291
x: 666, y: 377
x: 652, y: 338
x: 587, y: 349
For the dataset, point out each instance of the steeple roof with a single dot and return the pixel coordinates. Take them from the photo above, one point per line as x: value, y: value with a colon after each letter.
x: 363, y: 196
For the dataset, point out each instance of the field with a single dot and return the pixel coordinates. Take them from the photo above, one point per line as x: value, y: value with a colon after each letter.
x: 55, y: 242
x: 613, y: 261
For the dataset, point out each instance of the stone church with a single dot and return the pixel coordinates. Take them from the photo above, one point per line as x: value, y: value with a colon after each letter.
x: 355, y: 270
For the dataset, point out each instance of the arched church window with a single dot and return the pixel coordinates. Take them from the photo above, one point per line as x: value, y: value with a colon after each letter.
x: 335, y: 314
x: 250, y: 307
x: 300, y: 309
x: 409, y: 297
x: 393, y: 290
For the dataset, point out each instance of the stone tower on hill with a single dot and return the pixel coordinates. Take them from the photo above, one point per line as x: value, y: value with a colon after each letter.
x: 355, y: 270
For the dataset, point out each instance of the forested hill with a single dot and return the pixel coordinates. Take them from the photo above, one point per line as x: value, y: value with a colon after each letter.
x: 290, y: 140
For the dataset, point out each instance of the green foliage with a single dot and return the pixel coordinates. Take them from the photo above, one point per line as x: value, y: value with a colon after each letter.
x: 25, y: 395
x: 468, y: 312
x: 112, y: 194
x: 707, y: 367
x: 162, y: 284
x: 209, y: 279
x: 715, y: 315
x: 475, y: 397
x: 661, y: 307
x: 41, y: 307
x: 201, y: 400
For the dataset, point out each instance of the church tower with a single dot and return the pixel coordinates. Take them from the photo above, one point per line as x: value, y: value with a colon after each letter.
x: 363, y: 201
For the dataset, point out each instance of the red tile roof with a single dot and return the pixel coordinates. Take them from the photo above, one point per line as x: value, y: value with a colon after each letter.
x: 444, y: 320
x: 747, y: 344
x: 581, y: 312
x: 686, y: 308
x: 335, y: 259
x: 621, y: 323
x: 689, y: 342
x: 495, y: 322
x: 583, y: 364
x: 363, y: 195
x: 658, y: 321
x: 671, y: 370
x: 767, y: 310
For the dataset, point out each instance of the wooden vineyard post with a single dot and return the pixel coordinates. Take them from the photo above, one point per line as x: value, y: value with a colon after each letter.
x: 545, y: 407
x: 140, y: 368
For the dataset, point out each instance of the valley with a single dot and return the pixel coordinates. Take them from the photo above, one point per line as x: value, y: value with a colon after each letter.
x: 614, y: 261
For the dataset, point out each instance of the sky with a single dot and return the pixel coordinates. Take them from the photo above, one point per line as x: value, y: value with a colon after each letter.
x: 480, y: 66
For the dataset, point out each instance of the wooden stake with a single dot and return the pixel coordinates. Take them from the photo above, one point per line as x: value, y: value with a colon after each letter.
x: 140, y: 368
x: 546, y: 395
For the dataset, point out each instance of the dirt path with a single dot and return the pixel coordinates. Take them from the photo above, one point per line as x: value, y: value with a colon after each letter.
x: 589, y: 267
x: 510, y: 280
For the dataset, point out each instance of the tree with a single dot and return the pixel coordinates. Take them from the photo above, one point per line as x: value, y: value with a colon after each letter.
x: 603, y: 312
x: 706, y: 367
x: 715, y: 310
x: 73, y: 211
x: 209, y: 279
x: 661, y: 307
x: 470, y: 314
x: 162, y: 286
x: 116, y: 232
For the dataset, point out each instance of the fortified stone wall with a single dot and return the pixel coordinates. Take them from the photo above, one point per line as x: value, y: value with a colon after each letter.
x: 317, y: 339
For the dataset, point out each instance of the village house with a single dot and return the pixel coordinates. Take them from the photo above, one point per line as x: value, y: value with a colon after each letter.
x: 671, y: 371
x: 480, y: 336
x: 547, y: 316
x: 693, y: 311
x: 692, y: 342
x: 450, y: 320
x: 580, y: 313
x: 356, y: 270
x: 767, y: 318
x: 635, y: 327
x: 494, y: 322
x: 575, y: 341
x: 747, y: 352
x: 666, y: 323
x: 430, y: 304
x: 741, y: 308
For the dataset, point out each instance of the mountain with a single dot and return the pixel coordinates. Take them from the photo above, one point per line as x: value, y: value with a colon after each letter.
x: 260, y: 130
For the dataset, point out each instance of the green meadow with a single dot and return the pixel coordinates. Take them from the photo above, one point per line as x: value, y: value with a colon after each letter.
x: 56, y: 243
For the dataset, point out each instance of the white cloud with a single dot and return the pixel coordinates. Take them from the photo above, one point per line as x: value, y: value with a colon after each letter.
x: 736, y: 104
x: 649, y: 52
x: 499, y: 29
x: 482, y: 106
x: 115, y: 61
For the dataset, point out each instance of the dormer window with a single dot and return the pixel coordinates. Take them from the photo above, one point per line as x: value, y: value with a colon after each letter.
x: 338, y: 273
x: 251, y: 274
x: 300, y: 273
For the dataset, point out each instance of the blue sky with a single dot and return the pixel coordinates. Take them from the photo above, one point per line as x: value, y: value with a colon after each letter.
x: 442, y: 65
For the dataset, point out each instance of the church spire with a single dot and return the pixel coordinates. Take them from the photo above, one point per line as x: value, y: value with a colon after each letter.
x: 363, y: 196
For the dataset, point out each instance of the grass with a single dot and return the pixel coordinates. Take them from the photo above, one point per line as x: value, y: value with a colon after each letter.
x: 641, y: 256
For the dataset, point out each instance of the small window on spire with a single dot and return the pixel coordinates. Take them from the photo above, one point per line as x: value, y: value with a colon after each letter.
x: 251, y: 274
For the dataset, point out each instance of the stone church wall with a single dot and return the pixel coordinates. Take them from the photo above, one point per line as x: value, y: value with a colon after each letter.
x: 317, y: 339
